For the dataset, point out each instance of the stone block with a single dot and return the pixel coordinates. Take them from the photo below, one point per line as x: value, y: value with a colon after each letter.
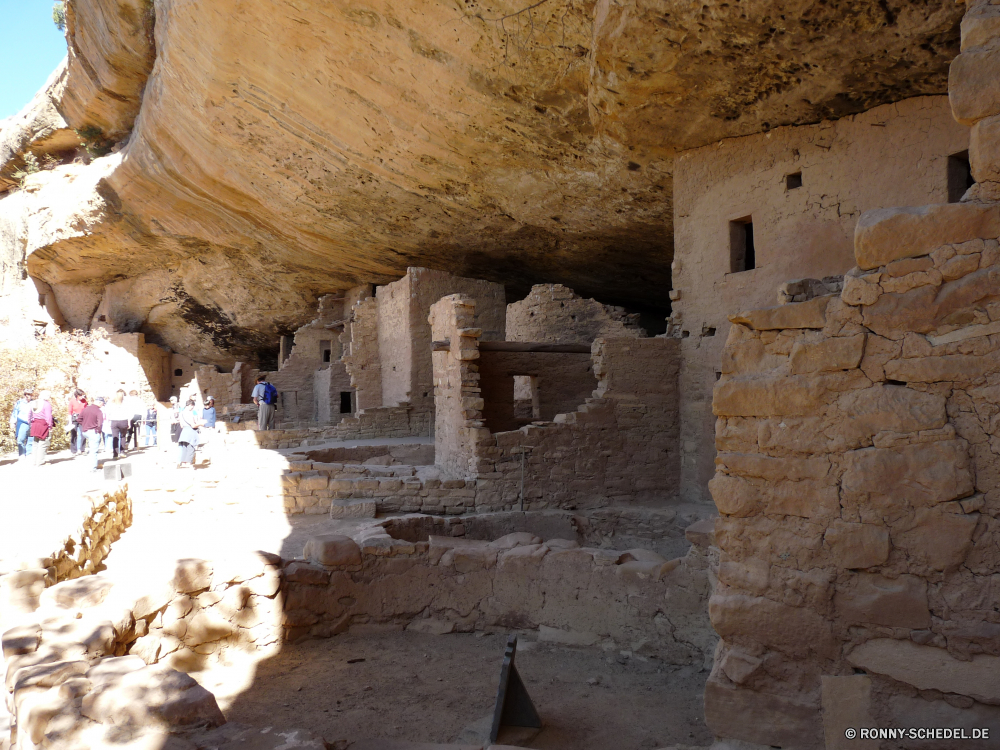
x: 921, y: 474
x: 794, y: 630
x: 88, y: 591
x: 809, y: 314
x: 935, y: 538
x: 191, y: 575
x: 984, y: 150
x: 846, y: 705
x: 734, y: 496
x: 930, y: 668
x: 859, y: 291
x: 312, y: 480
x: 739, y: 666
x: 873, y: 599
x: 266, y: 585
x: 974, y: 85
x: 150, y: 696
x: 857, y: 545
x: 830, y: 354
x: 862, y: 414
x: 303, y: 572
x: 774, y: 469
x: 206, y: 626
x: 732, y: 712
x: 332, y: 550
x: 23, y: 639
x: 353, y: 508
x: 766, y: 396
x: 20, y: 590
x: 886, y: 234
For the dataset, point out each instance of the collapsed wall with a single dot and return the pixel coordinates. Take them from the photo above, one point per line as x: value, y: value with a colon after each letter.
x: 553, y: 313
x: 857, y: 474
x: 619, y: 445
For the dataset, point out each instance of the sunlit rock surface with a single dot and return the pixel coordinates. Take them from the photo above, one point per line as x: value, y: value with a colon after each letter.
x: 286, y: 150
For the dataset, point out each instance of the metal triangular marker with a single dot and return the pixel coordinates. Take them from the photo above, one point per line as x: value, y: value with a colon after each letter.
x: 513, y: 707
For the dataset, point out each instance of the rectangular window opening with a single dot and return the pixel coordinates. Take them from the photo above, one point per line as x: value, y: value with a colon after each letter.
x: 345, y: 402
x: 793, y: 181
x: 742, y: 253
x: 325, y: 350
x: 959, y: 176
x: 527, y: 405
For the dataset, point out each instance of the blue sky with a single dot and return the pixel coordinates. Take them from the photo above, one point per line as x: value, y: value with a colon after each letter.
x: 30, y: 48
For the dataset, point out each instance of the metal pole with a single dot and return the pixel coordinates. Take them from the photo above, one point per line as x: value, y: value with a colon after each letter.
x: 522, y: 479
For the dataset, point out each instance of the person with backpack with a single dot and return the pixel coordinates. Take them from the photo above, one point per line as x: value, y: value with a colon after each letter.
x: 265, y: 396
x: 41, y: 427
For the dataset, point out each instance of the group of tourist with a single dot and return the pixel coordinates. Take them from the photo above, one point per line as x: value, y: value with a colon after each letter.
x: 102, y: 424
x: 115, y: 423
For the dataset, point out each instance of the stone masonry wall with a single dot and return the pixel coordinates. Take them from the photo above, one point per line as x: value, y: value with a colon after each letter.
x: 553, y: 313
x: 858, y: 479
x: 361, y: 356
x: 69, y: 551
x: 620, y: 445
x: 563, y: 381
x: 893, y: 155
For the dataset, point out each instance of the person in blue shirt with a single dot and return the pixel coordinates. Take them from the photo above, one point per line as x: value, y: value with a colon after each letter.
x: 20, y: 423
x: 265, y: 396
x: 208, y: 413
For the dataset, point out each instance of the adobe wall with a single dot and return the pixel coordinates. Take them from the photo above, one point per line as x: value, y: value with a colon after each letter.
x: 892, y: 155
x: 361, y: 353
x: 310, y: 387
x: 405, y: 333
x: 553, y: 313
x: 564, y: 381
x: 857, y: 477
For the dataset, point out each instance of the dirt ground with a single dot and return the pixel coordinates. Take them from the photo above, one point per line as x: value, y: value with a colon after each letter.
x: 427, y: 688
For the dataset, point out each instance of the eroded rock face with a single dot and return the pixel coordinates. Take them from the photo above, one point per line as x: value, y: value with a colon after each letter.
x: 295, y: 152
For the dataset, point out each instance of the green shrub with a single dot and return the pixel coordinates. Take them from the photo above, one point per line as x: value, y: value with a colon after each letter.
x: 59, y: 14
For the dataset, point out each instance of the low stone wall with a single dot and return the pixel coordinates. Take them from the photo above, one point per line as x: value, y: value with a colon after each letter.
x: 569, y: 594
x: 75, y: 544
x: 409, y: 454
x: 101, y: 658
x: 369, y: 424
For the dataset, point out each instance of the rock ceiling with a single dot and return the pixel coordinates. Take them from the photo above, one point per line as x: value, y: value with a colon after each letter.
x: 280, y: 150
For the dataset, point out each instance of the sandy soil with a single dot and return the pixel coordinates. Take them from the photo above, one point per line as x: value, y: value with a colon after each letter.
x: 427, y: 688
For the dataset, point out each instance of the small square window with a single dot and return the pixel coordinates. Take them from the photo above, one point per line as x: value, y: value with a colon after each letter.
x: 793, y: 181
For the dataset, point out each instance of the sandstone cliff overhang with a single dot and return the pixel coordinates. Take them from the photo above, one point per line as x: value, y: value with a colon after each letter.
x: 290, y: 151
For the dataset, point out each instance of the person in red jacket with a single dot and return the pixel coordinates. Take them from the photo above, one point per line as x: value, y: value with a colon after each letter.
x: 91, y: 425
x: 41, y: 427
x: 76, y: 405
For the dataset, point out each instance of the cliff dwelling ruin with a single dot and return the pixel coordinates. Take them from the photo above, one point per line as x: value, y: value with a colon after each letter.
x: 663, y: 337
